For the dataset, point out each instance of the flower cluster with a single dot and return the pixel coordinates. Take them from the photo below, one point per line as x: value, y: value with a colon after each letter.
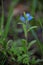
x: 29, y: 17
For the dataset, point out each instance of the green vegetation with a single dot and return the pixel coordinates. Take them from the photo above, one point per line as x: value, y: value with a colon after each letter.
x: 18, y: 51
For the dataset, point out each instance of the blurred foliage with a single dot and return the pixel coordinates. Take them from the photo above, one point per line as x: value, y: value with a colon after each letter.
x: 20, y: 50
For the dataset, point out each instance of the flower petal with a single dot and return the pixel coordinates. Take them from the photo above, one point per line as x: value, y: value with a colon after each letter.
x: 22, y: 18
x: 30, y: 18
x: 27, y: 14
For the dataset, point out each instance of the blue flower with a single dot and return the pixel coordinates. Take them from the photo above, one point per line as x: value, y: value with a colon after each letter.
x: 28, y: 17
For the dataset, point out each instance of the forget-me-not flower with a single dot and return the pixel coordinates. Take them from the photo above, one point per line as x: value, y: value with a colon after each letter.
x: 28, y: 17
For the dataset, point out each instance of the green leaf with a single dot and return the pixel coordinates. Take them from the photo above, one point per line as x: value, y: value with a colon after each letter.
x: 39, y: 60
x: 31, y: 43
x: 2, y: 21
x: 33, y: 27
x: 19, y: 59
x: 25, y: 58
